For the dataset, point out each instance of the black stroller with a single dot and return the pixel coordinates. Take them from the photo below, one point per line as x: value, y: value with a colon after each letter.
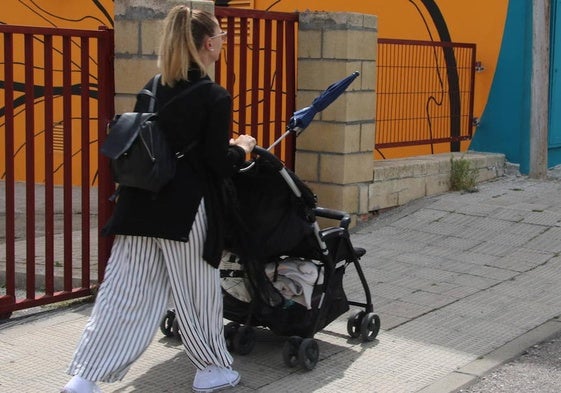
x: 281, y: 271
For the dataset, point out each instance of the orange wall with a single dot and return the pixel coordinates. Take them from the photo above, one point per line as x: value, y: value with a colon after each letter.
x: 82, y: 14
x: 78, y: 14
x: 475, y: 21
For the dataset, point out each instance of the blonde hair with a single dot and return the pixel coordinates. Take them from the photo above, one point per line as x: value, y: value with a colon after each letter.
x: 184, y: 33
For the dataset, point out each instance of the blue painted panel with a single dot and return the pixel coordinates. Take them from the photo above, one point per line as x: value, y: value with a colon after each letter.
x: 554, y: 135
x: 505, y: 123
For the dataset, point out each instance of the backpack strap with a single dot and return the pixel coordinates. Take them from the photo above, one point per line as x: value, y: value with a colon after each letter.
x: 155, y: 84
x: 152, y: 92
x: 187, y: 91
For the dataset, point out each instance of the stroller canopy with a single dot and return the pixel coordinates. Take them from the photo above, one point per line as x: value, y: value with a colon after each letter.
x: 270, y: 219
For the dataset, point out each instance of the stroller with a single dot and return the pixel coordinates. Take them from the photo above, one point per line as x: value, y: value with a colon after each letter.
x: 280, y: 270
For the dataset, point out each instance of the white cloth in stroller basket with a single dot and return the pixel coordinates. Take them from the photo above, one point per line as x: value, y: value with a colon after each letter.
x: 234, y: 285
x: 294, y: 278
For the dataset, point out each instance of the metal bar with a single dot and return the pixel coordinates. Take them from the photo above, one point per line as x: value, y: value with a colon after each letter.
x: 29, y: 166
x: 49, y: 165
x: 67, y: 159
x: 106, y: 110
x: 290, y: 106
x: 218, y: 65
x: 63, y: 32
x: 57, y: 297
x: 255, y: 72
x: 279, y: 81
x: 266, y: 137
x: 393, y: 41
x: 85, y: 155
x: 243, y: 68
x: 9, y: 164
x: 257, y: 14
x: 472, y: 90
x: 230, y: 59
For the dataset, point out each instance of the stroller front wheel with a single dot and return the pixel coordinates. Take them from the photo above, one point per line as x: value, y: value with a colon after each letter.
x: 354, y: 323
x: 175, y: 329
x: 230, y: 331
x: 308, y: 353
x: 244, y: 340
x: 290, y: 351
x: 167, y: 323
x: 370, y: 326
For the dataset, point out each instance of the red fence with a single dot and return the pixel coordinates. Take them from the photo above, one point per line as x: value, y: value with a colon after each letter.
x: 258, y: 66
x: 57, y: 99
x: 424, y: 93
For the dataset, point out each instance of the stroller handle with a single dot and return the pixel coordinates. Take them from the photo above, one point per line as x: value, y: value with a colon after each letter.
x: 270, y: 157
x: 344, y: 218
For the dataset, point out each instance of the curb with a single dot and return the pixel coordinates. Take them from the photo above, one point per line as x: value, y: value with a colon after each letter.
x: 471, y: 372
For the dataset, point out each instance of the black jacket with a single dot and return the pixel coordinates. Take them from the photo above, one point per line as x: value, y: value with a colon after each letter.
x: 205, y: 117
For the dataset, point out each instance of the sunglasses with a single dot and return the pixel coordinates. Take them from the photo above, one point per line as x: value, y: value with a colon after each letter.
x: 222, y: 34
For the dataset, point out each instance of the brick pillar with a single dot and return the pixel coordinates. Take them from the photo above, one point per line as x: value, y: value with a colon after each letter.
x: 137, y: 39
x: 334, y: 154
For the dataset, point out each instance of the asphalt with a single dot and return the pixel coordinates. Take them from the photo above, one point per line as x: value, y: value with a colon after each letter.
x: 462, y: 282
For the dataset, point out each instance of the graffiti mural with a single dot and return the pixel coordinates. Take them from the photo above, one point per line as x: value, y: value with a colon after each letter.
x: 76, y: 15
x: 478, y: 21
x: 81, y: 14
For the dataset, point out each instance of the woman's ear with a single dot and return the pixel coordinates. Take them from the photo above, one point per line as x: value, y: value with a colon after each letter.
x: 208, y: 44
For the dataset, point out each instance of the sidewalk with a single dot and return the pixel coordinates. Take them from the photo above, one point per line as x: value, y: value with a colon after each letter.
x: 462, y: 283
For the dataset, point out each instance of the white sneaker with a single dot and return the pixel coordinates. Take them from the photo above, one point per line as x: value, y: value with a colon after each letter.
x: 80, y: 385
x: 213, y: 378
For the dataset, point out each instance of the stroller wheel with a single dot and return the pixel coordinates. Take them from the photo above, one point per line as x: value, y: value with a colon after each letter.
x: 290, y: 351
x: 354, y: 324
x: 370, y: 326
x: 308, y: 353
x: 175, y: 329
x: 244, y: 340
x: 230, y: 331
x: 166, y: 324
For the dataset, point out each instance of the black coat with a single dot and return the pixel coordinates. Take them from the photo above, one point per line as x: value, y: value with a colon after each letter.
x: 203, y: 116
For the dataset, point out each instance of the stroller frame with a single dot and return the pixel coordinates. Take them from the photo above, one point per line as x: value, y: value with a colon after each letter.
x: 337, y: 252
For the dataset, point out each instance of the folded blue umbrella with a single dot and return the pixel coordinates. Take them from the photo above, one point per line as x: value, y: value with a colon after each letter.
x: 303, y: 117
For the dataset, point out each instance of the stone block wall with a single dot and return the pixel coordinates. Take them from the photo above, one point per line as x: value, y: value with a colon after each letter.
x: 138, y: 26
x: 335, y: 153
x: 399, y: 181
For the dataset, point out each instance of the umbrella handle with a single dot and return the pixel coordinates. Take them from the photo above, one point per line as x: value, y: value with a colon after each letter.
x: 296, y: 130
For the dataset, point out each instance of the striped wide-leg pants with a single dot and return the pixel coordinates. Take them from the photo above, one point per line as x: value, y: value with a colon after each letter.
x: 133, y: 298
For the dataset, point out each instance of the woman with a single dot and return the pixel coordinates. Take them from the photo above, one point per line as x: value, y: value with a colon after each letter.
x: 171, y: 241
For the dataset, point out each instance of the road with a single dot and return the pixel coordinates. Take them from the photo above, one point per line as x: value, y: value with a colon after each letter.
x: 537, y: 370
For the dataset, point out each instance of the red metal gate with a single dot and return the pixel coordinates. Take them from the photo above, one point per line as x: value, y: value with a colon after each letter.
x: 57, y: 90
x: 424, y: 93
x: 258, y: 67
x: 58, y: 96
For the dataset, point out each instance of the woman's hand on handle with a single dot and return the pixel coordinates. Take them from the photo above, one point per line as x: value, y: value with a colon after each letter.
x: 246, y: 142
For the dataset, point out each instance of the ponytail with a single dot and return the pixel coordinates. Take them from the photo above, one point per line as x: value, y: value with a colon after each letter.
x: 184, y: 33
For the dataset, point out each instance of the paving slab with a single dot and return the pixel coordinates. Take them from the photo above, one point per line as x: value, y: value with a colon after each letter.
x: 462, y: 282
